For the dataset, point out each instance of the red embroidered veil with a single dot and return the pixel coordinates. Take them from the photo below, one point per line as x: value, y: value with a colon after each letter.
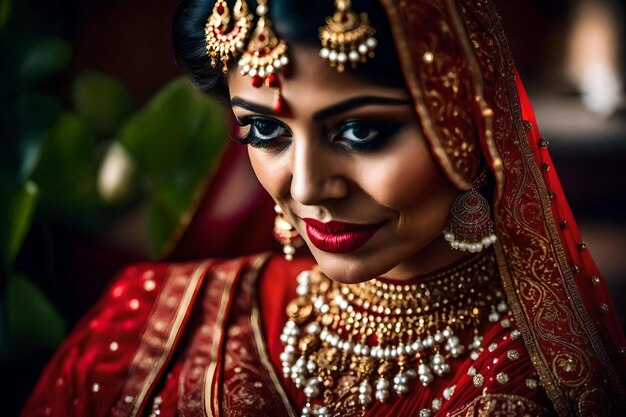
x: 472, y: 104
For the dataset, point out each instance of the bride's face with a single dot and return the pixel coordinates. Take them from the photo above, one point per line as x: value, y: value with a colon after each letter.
x: 349, y: 167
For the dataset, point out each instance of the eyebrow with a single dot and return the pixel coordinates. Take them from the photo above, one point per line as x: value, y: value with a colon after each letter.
x: 254, y: 107
x: 356, y: 102
x: 335, y: 109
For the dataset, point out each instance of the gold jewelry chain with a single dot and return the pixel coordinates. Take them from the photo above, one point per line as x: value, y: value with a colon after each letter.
x: 370, y: 338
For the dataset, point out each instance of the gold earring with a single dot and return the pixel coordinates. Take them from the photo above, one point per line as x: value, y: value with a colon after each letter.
x: 347, y: 37
x: 286, y: 234
x: 224, y: 43
x: 470, y: 227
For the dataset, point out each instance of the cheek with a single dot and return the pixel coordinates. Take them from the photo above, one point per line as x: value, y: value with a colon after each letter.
x: 272, y: 172
x: 407, y: 178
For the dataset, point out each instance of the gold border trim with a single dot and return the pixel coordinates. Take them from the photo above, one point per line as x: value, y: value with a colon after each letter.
x: 479, y: 91
x: 176, y: 323
x: 215, y: 346
x: 570, y: 287
x: 259, y: 341
x: 534, y: 351
x: 411, y: 78
x: 472, y: 405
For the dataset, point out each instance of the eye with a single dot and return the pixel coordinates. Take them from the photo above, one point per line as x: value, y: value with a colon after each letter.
x: 366, y: 135
x: 266, y: 130
x: 360, y: 133
x: 261, y: 132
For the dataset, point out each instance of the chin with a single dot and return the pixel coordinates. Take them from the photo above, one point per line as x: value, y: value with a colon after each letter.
x: 348, y: 269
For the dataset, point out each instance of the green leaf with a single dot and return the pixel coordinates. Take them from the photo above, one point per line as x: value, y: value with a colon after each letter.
x: 175, y: 141
x: 37, y: 113
x: 102, y: 102
x: 19, y: 214
x: 47, y: 56
x: 161, y: 225
x: 66, y: 172
x: 157, y: 136
x: 5, y: 12
x: 33, y: 320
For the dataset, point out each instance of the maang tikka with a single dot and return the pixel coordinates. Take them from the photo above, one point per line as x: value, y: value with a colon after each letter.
x: 347, y: 38
x: 224, y: 42
x: 470, y: 227
x: 265, y: 57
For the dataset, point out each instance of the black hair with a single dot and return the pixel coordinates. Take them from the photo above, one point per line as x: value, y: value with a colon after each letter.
x: 296, y: 21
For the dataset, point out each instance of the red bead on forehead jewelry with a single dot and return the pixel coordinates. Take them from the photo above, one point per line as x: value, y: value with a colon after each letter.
x: 257, y: 81
x: 281, y: 107
x: 279, y: 104
x: 273, y: 81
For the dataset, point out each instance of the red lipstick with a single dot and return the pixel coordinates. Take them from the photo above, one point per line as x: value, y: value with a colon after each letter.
x: 339, y: 237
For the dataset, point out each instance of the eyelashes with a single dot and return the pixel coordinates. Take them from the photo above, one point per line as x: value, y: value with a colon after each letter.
x: 366, y: 135
x: 355, y: 135
x: 260, y: 132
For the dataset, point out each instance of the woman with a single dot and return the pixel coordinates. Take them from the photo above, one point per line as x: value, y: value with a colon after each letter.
x: 378, y: 131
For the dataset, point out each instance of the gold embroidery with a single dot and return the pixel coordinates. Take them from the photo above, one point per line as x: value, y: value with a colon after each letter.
x: 442, y: 92
x: 191, y: 400
x: 265, y: 360
x: 594, y: 402
x: 250, y: 385
x: 502, y: 378
x: 500, y: 405
x: 513, y: 354
x: 485, y: 111
x: 140, y: 378
x: 530, y: 248
x: 211, y: 395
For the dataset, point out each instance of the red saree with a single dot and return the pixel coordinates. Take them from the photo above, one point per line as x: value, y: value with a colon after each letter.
x: 195, y: 340
x: 203, y: 338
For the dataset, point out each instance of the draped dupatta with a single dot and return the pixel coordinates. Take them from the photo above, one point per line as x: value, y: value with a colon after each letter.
x: 474, y: 110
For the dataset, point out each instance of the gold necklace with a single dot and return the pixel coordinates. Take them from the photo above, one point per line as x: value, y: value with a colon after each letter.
x: 377, y: 338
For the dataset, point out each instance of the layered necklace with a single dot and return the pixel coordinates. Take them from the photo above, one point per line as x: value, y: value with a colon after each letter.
x: 347, y: 346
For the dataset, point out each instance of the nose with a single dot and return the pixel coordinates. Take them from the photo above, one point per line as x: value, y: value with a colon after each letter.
x: 318, y: 174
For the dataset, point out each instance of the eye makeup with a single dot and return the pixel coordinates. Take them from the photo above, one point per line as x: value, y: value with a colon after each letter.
x: 366, y: 135
x: 260, y: 131
x: 359, y: 136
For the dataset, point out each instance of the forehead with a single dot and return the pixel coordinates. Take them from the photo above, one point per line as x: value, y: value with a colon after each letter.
x: 311, y: 84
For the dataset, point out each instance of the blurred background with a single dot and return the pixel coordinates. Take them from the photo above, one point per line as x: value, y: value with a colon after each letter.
x: 108, y: 157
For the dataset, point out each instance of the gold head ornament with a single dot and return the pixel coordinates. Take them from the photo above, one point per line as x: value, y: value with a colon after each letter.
x: 266, y: 54
x: 347, y: 38
x: 223, y: 42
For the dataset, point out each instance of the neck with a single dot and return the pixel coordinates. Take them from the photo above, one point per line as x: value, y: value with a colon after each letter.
x: 437, y: 255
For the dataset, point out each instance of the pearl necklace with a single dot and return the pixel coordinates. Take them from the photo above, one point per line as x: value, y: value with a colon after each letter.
x: 380, y: 338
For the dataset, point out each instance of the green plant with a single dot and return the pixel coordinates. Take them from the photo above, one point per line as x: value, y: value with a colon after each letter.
x: 84, y: 164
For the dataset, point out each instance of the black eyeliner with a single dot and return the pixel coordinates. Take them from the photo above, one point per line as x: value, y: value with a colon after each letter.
x: 253, y: 139
x: 386, y: 131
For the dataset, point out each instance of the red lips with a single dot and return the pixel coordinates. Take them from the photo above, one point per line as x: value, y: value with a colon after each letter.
x: 339, y: 237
